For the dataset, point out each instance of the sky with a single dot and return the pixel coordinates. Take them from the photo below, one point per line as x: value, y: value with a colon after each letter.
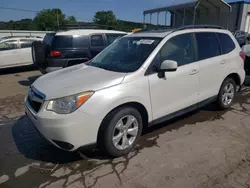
x: 84, y: 10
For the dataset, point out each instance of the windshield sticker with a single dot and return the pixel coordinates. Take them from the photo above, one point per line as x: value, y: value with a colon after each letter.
x: 144, y: 41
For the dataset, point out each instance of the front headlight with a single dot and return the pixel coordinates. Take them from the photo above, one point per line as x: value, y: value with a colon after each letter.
x: 67, y: 105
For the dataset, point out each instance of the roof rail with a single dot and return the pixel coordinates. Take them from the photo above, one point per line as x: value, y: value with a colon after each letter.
x: 199, y: 27
x: 20, y: 36
x: 86, y: 26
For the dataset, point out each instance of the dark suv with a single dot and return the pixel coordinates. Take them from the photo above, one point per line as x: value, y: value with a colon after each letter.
x: 64, y: 49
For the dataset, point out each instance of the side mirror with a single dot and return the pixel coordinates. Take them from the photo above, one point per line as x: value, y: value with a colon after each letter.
x: 168, y: 66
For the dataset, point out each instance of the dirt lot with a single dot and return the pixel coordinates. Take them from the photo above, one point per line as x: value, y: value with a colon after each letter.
x: 207, y: 148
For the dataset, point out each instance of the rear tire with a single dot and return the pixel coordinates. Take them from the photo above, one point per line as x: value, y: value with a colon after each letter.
x: 226, y: 94
x: 121, y: 130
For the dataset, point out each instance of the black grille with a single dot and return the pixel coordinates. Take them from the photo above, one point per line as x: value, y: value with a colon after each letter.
x: 35, y: 100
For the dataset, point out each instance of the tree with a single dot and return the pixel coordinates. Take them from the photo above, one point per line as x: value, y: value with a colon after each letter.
x: 71, y: 19
x: 105, y: 18
x: 51, y: 19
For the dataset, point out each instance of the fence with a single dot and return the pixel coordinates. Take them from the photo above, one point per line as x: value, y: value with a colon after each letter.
x: 4, y: 33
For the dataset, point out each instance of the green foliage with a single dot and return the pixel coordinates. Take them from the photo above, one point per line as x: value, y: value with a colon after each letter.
x: 51, y: 19
x: 105, y: 18
x: 24, y: 24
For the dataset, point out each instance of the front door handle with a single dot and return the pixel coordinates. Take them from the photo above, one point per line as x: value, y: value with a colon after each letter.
x: 194, y: 71
x: 223, y: 62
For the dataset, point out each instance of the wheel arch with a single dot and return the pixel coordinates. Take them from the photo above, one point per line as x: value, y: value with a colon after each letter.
x: 235, y: 77
x: 138, y: 106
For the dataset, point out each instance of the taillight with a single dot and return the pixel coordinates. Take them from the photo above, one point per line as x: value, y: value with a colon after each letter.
x: 55, y: 53
x: 243, y: 55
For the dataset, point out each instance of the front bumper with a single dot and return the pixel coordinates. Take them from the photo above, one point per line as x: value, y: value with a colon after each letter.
x: 68, y: 132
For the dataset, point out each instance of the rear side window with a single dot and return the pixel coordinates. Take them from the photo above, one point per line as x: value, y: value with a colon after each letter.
x: 226, y: 43
x: 26, y: 43
x: 112, y: 37
x: 207, y: 45
x: 64, y: 42
x: 180, y: 49
x: 97, y: 40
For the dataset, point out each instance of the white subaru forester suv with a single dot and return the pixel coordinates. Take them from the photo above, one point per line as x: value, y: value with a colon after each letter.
x: 140, y: 80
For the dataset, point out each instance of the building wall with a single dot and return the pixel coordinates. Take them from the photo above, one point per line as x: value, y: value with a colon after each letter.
x: 245, y: 12
x: 232, y: 21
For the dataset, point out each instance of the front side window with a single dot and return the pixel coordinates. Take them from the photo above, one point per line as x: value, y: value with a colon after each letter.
x: 126, y: 54
x: 97, y: 40
x: 226, y: 43
x: 26, y: 43
x: 180, y: 49
x: 207, y: 45
x: 8, y: 45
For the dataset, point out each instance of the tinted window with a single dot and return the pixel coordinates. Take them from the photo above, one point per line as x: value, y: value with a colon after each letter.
x: 97, y: 40
x: 48, y: 38
x: 179, y: 48
x: 8, y: 45
x: 226, y: 43
x: 112, y: 37
x: 70, y: 42
x: 207, y: 45
x: 80, y: 41
x: 26, y: 43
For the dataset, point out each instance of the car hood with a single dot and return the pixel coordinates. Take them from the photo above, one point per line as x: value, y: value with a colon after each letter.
x: 76, y: 79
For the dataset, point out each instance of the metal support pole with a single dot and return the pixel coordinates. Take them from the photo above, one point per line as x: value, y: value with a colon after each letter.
x: 150, y: 19
x: 144, y: 18
x: 195, y: 12
x: 158, y: 18
x: 174, y: 19
x: 166, y: 16
x: 228, y: 20
x: 184, y: 15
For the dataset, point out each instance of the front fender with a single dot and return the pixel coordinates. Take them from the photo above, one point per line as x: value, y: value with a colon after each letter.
x: 104, y: 101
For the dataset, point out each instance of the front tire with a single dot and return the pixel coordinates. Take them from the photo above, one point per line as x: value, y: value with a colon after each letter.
x: 226, y: 94
x: 122, y: 130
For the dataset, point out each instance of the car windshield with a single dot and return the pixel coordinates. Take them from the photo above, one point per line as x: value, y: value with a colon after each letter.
x: 126, y: 54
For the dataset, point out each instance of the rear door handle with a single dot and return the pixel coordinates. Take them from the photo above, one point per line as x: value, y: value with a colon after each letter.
x: 194, y: 71
x: 223, y: 62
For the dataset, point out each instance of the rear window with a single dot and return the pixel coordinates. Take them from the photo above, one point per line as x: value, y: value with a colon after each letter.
x: 226, y: 43
x: 207, y: 44
x: 70, y: 42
